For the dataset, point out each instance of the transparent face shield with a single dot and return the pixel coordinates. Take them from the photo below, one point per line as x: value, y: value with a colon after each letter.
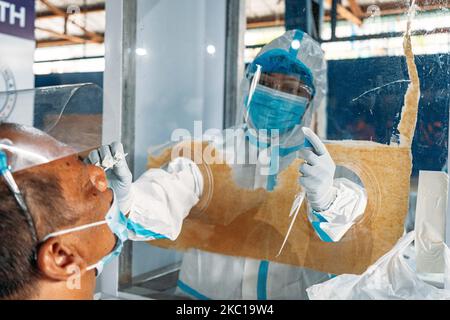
x: 275, y: 108
x: 64, y: 120
x: 43, y: 125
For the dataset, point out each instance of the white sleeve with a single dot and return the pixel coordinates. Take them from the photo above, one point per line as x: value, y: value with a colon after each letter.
x: 162, y: 200
x: 349, y: 204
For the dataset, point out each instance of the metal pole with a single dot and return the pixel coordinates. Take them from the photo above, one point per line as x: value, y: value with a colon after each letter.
x: 305, y: 15
x: 318, y: 15
x: 108, y: 283
x: 234, y: 59
x: 447, y: 217
x: 119, y: 104
x: 333, y: 19
x: 128, y: 118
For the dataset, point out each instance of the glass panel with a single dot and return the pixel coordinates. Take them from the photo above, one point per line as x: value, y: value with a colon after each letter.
x: 254, y: 234
x: 180, y: 58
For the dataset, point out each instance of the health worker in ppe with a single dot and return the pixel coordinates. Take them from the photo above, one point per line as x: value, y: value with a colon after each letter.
x: 62, y: 219
x: 286, y: 82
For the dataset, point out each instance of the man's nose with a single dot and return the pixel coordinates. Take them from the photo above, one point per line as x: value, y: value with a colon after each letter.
x: 98, y: 178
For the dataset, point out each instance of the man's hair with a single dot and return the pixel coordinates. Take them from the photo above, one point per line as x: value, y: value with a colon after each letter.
x: 45, y: 200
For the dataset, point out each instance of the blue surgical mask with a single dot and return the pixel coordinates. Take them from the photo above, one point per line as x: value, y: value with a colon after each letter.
x: 116, y: 221
x: 272, y: 109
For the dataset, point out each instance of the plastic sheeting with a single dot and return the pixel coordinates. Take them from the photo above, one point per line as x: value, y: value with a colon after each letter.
x: 393, y: 276
x: 71, y: 116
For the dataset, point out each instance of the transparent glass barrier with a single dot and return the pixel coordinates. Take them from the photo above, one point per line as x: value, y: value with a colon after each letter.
x: 254, y: 233
x: 179, y: 85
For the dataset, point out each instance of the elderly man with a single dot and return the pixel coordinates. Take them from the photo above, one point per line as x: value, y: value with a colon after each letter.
x: 60, y: 222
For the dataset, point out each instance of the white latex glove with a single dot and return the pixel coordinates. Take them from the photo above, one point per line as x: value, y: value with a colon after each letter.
x: 112, y: 159
x: 318, y: 173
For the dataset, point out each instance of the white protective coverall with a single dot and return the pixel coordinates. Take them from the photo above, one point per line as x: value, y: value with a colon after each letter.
x: 206, y: 275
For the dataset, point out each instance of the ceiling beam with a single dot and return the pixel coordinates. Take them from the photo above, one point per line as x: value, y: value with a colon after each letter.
x: 71, y: 38
x: 345, y: 13
x: 54, y: 9
x: 53, y: 43
x: 388, y: 10
x: 61, y: 13
x: 355, y: 8
x: 265, y: 24
x: 100, y: 7
x: 275, y: 21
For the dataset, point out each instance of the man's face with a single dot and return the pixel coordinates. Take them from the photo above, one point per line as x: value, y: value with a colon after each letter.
x: 85, y: 190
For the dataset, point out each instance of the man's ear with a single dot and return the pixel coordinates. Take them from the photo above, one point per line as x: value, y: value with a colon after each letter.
x: 58, y: 260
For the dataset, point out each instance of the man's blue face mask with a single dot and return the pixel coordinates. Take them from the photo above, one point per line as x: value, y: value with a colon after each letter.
x: 272, y: 109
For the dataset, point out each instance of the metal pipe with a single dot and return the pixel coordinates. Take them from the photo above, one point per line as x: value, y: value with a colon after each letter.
x: 333, y: 19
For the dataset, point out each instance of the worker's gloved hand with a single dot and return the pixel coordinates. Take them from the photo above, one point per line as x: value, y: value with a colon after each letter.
x: 318, y: 173
x: 112, y: 159
x: 188, y: 172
